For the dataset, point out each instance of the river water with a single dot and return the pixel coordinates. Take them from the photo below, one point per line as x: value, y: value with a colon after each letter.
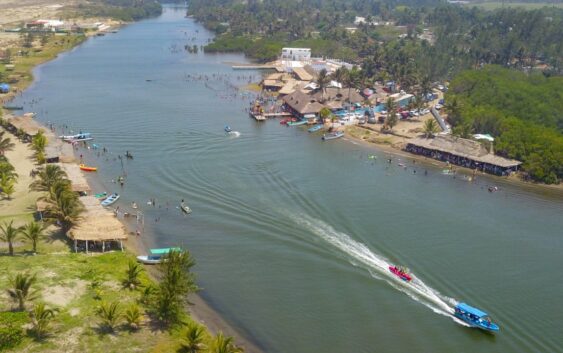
x: 292, y: 235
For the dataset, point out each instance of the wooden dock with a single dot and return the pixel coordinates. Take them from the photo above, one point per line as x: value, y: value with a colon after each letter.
x: 264, y: 116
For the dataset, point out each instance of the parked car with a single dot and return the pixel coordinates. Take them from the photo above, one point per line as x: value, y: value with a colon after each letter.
x: 424, y: 111
x: 372, y: 120
x: 441, y: 101
x: 438, y: 106
x: 413, y: 113
x: 362, y: 121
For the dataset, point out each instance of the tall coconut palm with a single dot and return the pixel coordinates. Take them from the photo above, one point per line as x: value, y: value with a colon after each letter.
x: 193, y: 341
x: 222, y: 344
x: 9, y: 233
x: 66, y: 209
x: 430, y: 128
x: 339, y: 75
x: 7, y: 170
x: 391, y: 119
x: 47, y: 177
x: 21, y: 289
x: 453, y: 109
x: 34, y: 232
x: 5, y: 144
x: 322, y: 81
x: 40, y: 318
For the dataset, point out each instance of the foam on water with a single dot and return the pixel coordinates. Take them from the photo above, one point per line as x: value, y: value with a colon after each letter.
x: 360, y: 255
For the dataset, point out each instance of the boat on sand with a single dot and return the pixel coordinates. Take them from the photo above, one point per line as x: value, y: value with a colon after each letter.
x: 87, y: 168
x: 185, y: 208
x: 110, y: 199
x: 156, y: 256
x: 315, y: 128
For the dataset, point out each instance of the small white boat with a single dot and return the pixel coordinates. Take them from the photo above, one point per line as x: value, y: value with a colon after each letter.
x: 185, y: 208
x: 77, y: 138
x: 110, y: 199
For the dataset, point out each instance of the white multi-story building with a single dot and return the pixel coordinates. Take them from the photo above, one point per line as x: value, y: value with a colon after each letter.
x: 296, y: 54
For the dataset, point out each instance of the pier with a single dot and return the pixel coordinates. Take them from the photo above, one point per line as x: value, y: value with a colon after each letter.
x: 264, y: 116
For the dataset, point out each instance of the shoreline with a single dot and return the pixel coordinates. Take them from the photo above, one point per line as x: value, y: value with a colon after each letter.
x: 512, y: 180
x: 201, y: 311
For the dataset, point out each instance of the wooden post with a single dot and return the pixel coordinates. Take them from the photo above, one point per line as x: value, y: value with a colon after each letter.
x: 103, y: 246
x: 86, y: 246
x: 121, y: 245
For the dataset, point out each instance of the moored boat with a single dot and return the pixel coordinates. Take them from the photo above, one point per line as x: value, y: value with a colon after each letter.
x: 401, y: 273
x: 78, y: 137
x: 155, y: 256
x: 333, y: 135
x: 101, y: 195
x: 475, y: 317
x: 228, y: 129
x: 297, y: 123
x: 315, y: 128
x: 87, y: 168
x: 110, y: 199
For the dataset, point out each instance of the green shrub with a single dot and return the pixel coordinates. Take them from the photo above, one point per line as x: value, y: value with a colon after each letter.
x: 11, y: 330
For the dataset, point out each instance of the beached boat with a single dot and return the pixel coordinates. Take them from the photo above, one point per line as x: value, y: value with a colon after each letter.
x: 110, y: 199
x: 285, y: 121
x: 401, y: 273
x: 297, y: 123
x: 87, y: 168
x: 475, y: 317
x: 13, y: 107
x: 315, y: 128
x: 101, y: 195
x: 333, y: 135
x: 156, y: 256
x: 185, y: 208
x: 78, y: 137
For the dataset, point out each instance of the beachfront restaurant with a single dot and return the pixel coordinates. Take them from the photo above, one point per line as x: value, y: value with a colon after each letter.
x: 25, y: 124
x: 463, y: 152
x: 98, y: 229
x: 301, y: 104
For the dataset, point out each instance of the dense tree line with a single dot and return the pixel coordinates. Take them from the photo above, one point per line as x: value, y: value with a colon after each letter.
x: 524, y: 113
x: 124, y: 10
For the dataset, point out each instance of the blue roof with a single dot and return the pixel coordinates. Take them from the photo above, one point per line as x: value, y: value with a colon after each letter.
x: 471, y: 310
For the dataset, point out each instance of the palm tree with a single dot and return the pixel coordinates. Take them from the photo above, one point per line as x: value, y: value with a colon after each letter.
x: 133, y: 317
x: 34, y: 232
x: 222, y: 344
x: 430, y: 128
x: 110, y: 315
x: 339, y: 75
x: 39, y: 141
x: 47, y: 177
x: 453, y: 109
x: 9, y: 233
x: 132, y: 280
x: 322, y: 81
x: 21, y: 290
x: 7, y: 170
x: 5, y: 144
x: 7, y: 185
x: 418, y: 103
x: 193, y: 340
x: 391, y: 120
x: 40, y: 318
x: 64, y: 205
x: 324, y: 113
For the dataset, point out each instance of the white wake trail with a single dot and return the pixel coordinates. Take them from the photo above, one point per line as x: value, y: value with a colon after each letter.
x: 360, y: 255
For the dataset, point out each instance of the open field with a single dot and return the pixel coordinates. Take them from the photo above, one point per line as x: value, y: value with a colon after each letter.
x: 522, y: 5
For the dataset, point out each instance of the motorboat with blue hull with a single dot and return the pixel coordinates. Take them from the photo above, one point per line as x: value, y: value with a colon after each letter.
x: 475, y: 317
x: 297, y: 123
x: 315, y: 128
x: 156, y: 256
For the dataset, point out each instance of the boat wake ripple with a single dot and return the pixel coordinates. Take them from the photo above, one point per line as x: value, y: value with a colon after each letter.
x: 360, y: 255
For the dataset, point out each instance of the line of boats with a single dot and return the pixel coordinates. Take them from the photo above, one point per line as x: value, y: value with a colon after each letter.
x: 80, y: 137
x: 472, y: 316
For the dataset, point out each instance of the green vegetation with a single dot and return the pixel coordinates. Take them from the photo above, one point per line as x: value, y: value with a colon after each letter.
x: 11, y: 329
x: 524, y: 5
x: 123, y: 10
x: 522, y: 111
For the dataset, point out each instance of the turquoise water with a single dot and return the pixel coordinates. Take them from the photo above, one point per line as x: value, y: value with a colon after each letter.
x: 293, y: 235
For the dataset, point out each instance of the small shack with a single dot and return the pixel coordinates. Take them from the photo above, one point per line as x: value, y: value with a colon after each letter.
x: 26, y: 124
x: 97, y: 228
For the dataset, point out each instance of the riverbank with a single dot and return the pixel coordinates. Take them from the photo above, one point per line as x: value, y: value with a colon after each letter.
x: 201, y: 311
x: 394, y: 145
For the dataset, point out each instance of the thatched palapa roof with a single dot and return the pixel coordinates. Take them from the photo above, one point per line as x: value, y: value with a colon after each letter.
x: 26, y: 123
x: 464, y: 148
x: 97, y: 223
x: 303, y: 103
x: 76, y: 177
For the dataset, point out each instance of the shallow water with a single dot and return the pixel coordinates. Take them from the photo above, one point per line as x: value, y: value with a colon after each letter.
x: 293, y: 235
